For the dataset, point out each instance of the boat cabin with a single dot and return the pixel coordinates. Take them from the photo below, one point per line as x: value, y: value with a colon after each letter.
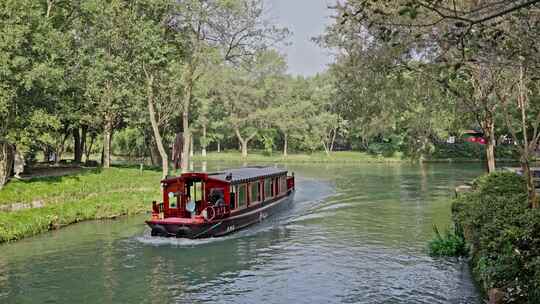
x: 209, y: 196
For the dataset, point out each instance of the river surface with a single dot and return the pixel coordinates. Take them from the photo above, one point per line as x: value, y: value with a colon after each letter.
x: 356, y: 234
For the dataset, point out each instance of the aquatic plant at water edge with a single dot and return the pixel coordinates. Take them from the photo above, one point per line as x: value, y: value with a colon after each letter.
x: 449, y: 244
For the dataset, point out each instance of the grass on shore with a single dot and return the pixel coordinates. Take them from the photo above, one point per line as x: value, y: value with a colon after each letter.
x: 317, y: 157
x: 92, y: 194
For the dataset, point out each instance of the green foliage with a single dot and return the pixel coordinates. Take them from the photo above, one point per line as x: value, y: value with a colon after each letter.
x: 467, y: 150
x: 268, y: 137
x: 129, y: 142
x: 459, y: 150
x: 500, y: 184
x: 504, y: 234
x: 386, y: 147
x: 450, y: 244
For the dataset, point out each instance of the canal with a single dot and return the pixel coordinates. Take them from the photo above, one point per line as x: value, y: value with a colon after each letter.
x: 356, y: 234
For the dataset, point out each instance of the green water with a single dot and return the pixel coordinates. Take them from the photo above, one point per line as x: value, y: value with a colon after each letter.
x: 356, y: 234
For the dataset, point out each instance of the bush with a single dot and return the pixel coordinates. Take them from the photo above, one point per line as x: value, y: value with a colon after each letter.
x: 504, y: 234
x: 500, y: 183
x: 459, y: 150
x: 449, y: 244
x: 387, y: 147
x: 472, y: 150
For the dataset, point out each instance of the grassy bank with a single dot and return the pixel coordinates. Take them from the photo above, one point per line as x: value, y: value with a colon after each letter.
x: 92, y: 194
x: 334, y: 157
x: 503, y: 235
x: 318, y: 157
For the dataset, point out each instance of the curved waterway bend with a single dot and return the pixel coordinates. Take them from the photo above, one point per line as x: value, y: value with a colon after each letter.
x: 356, y: 234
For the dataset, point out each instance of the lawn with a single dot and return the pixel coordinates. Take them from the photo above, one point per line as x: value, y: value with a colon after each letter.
x: 92, y: 194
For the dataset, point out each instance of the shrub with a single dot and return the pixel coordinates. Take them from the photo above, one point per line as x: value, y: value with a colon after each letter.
x: 450, y: 244
x: 501, y: 184
x: 504, y: 235
x: 472, y: 150
x: 459, y: 150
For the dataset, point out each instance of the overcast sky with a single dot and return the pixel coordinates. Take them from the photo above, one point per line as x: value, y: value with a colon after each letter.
x: 305, y: 19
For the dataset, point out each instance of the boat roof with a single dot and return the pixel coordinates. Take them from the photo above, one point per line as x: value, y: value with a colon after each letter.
x: 246, y: 174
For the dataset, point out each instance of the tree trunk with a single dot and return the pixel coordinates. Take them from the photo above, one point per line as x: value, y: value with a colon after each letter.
x: 203, y: 144
x: 46, y: 154
x: 191, y: 147
x: 77, y: 151
x: 488, y: 127
x: 244, y: 149
x: 7, y: 156
x: 60, y: 149
x: 88, y: 148
x: 50, y: 4
x: 528, y: 147
x: 333, y: 140
x: 107, y: 140
x: 155, y: 159
x: 326, y: 149
x: 285, y: 144
x: 155, y: 128
x: 527, y: 173
x: 84, y: 132
x: 189, y: 80
x: 243, y: 142
x: 218, y: 147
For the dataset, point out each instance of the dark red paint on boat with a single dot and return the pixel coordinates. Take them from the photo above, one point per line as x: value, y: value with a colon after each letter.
x: 221, y: 202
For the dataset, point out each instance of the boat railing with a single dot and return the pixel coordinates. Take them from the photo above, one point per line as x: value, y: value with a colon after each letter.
x: 157, y: 208
x: 221, y: 211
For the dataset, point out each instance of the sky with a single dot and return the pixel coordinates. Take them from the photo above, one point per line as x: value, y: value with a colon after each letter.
x: 305, y: 19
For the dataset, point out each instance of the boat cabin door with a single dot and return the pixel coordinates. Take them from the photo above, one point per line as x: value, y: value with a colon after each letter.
x: 193, y: 197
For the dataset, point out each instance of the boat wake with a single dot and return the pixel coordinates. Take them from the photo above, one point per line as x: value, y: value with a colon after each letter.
x: 309, y: 197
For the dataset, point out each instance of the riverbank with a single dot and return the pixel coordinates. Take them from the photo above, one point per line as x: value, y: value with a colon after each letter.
x: 89, y: 195
x: 503, y: 235
x: 334, y: 157
x: 317, y: 157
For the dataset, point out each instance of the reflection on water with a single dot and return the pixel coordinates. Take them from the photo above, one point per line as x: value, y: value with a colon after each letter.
x: 356, y: 234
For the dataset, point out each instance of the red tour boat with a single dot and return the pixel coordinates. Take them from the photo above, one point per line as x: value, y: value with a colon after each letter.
x: 200, y: 205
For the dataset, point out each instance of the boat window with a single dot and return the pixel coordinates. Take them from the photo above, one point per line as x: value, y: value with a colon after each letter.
x: 232, y: 197
x: 283, y: 184
x: 274, y: 187
x: 267, y: 188
x: 196, y: 190
x: 173, y: 200
x: 242, y: 196
x: 254, y: 194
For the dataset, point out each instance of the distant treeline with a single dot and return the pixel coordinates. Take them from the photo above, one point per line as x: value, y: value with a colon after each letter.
x: 96, y: 76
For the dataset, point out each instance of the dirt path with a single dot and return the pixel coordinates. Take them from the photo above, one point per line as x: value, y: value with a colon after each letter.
x: 50, y: 171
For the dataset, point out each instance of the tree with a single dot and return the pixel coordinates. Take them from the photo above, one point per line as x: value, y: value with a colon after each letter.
x: 107, y: 55
x: 237, y: 29
x: 31, y: 78
x: 241, y: 99
x: 515, y: 97
x: 155, y: 48
x: 458, y: 40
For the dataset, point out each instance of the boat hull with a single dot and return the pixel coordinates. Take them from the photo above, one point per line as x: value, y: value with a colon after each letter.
x: 193, y: 229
